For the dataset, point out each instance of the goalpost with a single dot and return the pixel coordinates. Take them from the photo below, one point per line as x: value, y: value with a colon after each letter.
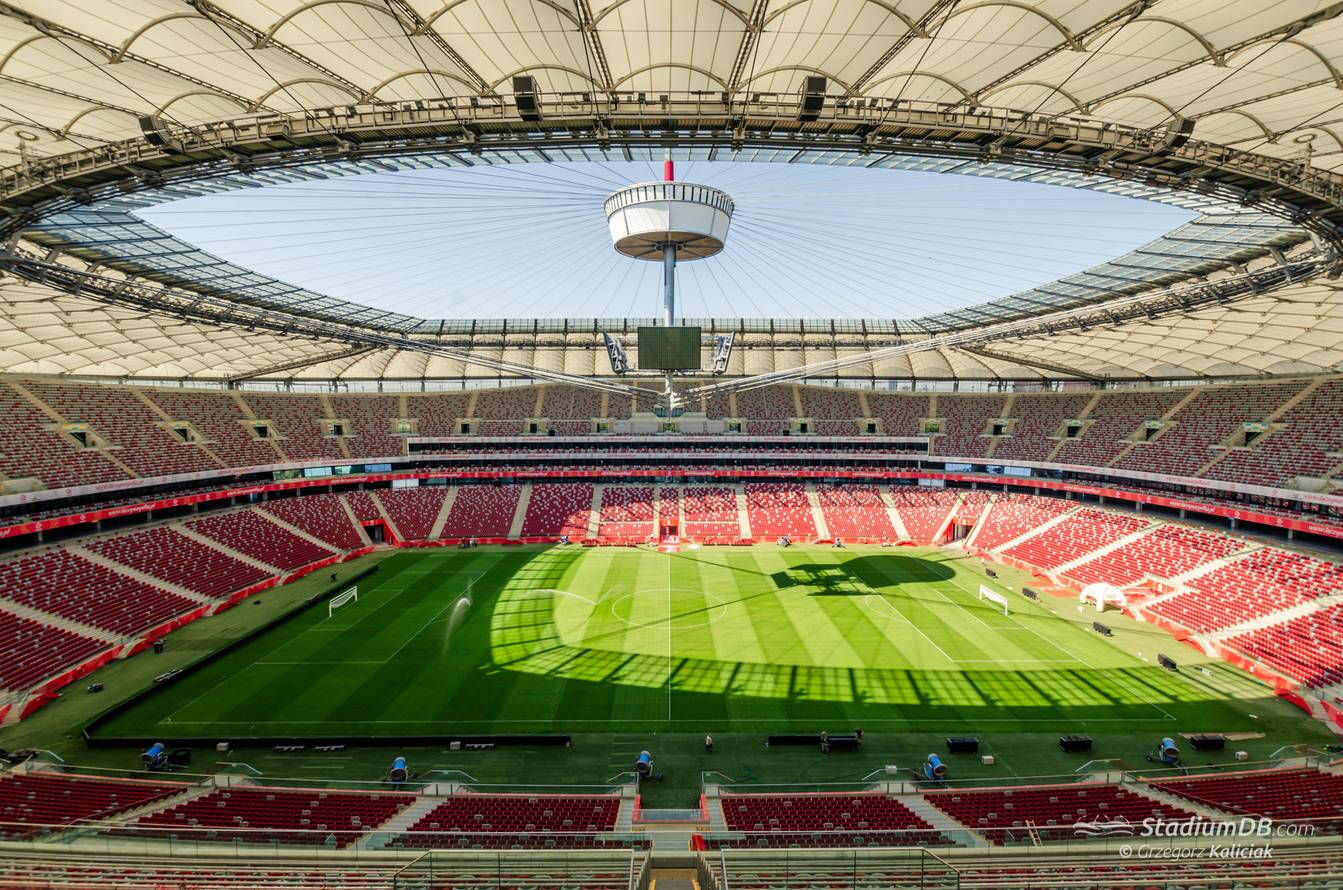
x: 340, y: 599
x: 993, y: 596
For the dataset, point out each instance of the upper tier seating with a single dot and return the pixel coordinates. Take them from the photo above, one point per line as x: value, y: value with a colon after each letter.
x: 414, y: 510
x: 825, y: 820
x: 833, y: 411
x: 1013, y: 515
x: 923, y: 511
x: 767, y: 410
x: 967, y: 421
x: 1290, y: 795
x: 372, y: 421
x: 503, y: 412
x: 626, y: 512
x: 170, y: 555
x: 1267, y: 580
x: 781, y: 508
x: 1168, y: 551
x: 855, y: 511
x: 1039, y: 418
x: 279, y: 815
x: 1118, y: 416
x: 61, y: 583
x: 35, y: 651
x: 1208, y: 419
x: 219, y: 418
x: 297, y: 421
x: 128, y: 424
x: 1007, y: 815
x: 1310, y: 432
x: 28, y: 450
x: 571, y: 409
x: 1307, y: 648
x: 36, y: 799
x: 482, y: 511
x: 321, y: 516
x: 900, y: 415
x: 1081, y: 533
x: 555, y: 820
x: 438, y: 414
x: 560, y: 509
x: 710, y: 512
x: 251, y: 534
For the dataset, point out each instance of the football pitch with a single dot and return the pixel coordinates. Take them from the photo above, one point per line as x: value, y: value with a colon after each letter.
x: 573, y: 640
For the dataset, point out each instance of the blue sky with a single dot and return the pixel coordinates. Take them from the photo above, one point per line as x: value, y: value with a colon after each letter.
x: 531, y: 241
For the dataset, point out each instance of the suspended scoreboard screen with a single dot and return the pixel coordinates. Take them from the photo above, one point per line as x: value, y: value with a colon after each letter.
x: 669, y: 349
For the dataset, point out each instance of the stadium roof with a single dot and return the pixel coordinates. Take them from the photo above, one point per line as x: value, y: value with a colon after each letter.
x: 1236, y: 110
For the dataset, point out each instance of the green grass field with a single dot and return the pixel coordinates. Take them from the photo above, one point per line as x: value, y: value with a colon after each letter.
x: 742, y: 640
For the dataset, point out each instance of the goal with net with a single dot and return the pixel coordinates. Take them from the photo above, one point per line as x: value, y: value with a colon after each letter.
x: 993, y: 596
x: 340, y: 599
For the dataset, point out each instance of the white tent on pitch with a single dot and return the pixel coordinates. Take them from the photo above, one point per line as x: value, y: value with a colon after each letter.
x: 1103, y: 594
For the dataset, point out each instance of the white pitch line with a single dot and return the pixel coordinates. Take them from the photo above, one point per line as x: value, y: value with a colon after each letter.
x: 917, y: 629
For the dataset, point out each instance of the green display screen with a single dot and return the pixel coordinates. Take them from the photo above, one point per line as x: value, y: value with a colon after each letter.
x: 669, y: 349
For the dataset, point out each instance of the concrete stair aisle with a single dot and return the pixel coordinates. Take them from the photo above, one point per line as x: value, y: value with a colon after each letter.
x: 520, y: 513
x: 379, y: 836
x: 84, y: 630
x: 940, y: 821
x: 945, y: 525
x: 1053, y: 521
x: 817, y: 514
x: 1208, y: 568
x: 594, y: 518
x: 382, y: 511
x: 224, y: 548
x: 893, y: 514
x: 1172, y: 800
x: 981, y: 523
x: 129, y: 572
x: 436, y: 530
x: 1106, y: 550
x: 743, y: 516
x: 1272, y: 618
x: 294, y: 530
x: 625, y: 815
x: 354, y: 520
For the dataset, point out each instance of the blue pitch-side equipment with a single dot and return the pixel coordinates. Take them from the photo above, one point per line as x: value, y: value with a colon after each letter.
x: 934, y: 768
x: 1168, y: 752
x: 644, y: 765
x: 155, y: 756
x: 399, y: 772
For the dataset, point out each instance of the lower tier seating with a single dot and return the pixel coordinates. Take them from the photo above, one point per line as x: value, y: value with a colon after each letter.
x: 710, y: 512
x: 321, y: 516
x: 36, y: 651
x: 61, y: 583
x: 1307, y: 648
x: 1169, y: 551
x: 1081, y: 533
x: 826, y: 820
x: 923, y: 511
x: 1013, y: 515
x: 39, y: 799
x: 1052, y: 812
x: 248, y: 533
x: 855, y: 511
x: 279, y: 815
x: 164, y: 553
x: 514, y: 821
x: 560, y: 509
x: 1292, y: 795
x: 482, y: 511
x: 779, y: 509
x: 414, y: 510
x: 626, y: 512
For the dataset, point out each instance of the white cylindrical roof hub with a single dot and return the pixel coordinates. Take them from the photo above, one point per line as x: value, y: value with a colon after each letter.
x: 646, y: 217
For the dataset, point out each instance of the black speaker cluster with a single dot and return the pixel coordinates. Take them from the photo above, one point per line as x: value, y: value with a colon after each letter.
x: 1075, y: 744
x: 1208, y: 742
x: 1102, y: 629
x: 527, y: 95
x: 963, y: 745
x: 1167, y: 662
x: 1029, y: 594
